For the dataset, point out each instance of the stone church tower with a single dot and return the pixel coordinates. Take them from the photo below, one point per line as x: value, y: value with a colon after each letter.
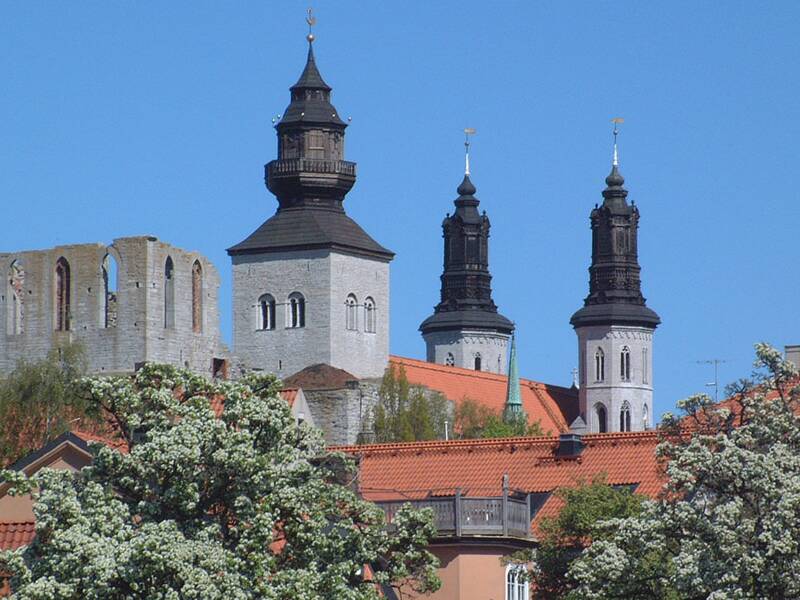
x: 465, y: 329
x: 615, y: 327
x: 309, y: 285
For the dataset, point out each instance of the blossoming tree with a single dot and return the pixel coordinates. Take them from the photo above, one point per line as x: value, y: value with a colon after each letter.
x: 242, y: 505
x: 728, y: 524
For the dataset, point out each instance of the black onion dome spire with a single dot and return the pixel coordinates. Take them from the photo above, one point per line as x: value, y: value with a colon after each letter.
x: 310, y: 177
x: 466, y: 295
x: 615, y: 294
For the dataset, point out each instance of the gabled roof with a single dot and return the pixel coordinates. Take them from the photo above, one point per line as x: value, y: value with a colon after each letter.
x: 553, y: 406
x: 319, y: 377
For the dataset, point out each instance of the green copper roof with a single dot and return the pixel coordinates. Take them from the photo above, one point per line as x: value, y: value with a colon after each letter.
x: 513, y: 399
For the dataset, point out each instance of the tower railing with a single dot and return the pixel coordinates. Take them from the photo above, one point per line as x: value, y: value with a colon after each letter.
x: 288, y: 166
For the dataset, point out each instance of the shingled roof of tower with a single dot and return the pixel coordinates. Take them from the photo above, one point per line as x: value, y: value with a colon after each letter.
x: 554, y: 407
x: 319, y: 377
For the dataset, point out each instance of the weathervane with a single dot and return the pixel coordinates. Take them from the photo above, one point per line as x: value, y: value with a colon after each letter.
x: 311, y: 20
x: 467, y: 132
x: 616, y: 121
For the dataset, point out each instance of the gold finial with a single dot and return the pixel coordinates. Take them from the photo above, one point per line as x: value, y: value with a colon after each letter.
x: 311, y: 20
x: 467, y: 132
x: 616, y: 121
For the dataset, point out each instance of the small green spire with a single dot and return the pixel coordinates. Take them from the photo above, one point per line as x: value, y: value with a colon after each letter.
x: 513, y: 406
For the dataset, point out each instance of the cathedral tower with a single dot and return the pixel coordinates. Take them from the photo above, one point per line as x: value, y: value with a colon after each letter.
x: 465, y: 329
x: 309, y: 285
x: 615, y: 327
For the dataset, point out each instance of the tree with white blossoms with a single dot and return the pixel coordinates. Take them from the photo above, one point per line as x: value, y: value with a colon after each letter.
x: 240, y: 506
x: 728, y: 523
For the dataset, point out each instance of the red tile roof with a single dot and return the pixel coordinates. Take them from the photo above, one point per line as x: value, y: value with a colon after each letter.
x: 419, y: 469
x: 551, y: 405
x: 14, y: 535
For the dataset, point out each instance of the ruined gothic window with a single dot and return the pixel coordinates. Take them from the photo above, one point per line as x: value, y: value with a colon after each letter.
x: 450, y: 360
x: 601, y: 418
x: 516, y: 583
x: 197, y: 297
x: 599, y: 365
x: 625, y: 364
x: 297, y: 310
x: 351, y: 315
x: 169, y: 293
x: 110, y: 282
x: 16, y: 283
x: 625, y: 417
x: 62, y: 295
x: 266, y: 312
x: 477, y: 361
x: 370, y: 325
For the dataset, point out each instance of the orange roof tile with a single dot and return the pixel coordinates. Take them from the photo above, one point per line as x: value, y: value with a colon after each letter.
x: 14, y: 535
x: 419, y: 469
x: 218, y: 402
x: 551, y: 405
x: 289, y: 394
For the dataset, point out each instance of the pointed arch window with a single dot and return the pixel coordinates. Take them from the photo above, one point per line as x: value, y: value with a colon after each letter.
x: 599, y: 365
x: 625, y: 417
x: 63, y: 314
x: 645, y: 375
x: 169, y: 293
x: 197, y: 297
x: 351, y: 313
x: 16, y: 283
x: 477, y: 361
x: 266, y: 312
x: 601, y: 417
x: 297, y: 310
x: 370, y: 318
x: 625, y: 364
x: 645, y: 418
x: 450, y: 360
x: 110, y: 272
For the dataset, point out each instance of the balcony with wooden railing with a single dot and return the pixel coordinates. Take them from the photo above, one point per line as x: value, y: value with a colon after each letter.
x: 290, y: 166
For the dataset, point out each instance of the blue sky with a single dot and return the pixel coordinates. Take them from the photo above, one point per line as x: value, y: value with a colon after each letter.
x: 126, y: 118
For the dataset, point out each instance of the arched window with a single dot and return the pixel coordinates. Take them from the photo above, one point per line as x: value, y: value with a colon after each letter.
x: 351, y: 316
x: 197, y: 297
x: 625, y: 364
x: 450, y: 360
x: 63, y: 314
x: 169, y: 293
x: 477, y: 361
x: 297, y: 310
x: 625, y: 417
x: 16, y: 284
x: 601, y: 416
x: 370, y: 321
x: 266, y: 312
x: 110, y: 274
x: 645, y: 418
x: 599, y: 365
x: 516, y: 583
x: 644, y: 365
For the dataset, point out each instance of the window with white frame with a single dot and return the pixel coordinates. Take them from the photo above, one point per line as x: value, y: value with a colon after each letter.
x: 297, y: 310
x: 370, y: 322
x: 351, y: 314
x: 516, y: 583
x: 266, y: 312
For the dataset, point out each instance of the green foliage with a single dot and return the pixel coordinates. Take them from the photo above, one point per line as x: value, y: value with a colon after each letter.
x: 38, y: 400
x: 562, y: 537
x: 406, y: 413
x: 475, y: 420
x: 727, y: 524
x: 246, y: 505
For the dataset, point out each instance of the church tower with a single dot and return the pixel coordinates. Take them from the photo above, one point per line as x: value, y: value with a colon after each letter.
x: 465, y: 329
x: 615, y: 327
x: 309, y: 285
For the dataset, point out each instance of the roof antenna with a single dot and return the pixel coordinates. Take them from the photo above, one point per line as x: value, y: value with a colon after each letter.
x: 616, y: 121
x: 467, y: 132
x: 715, y: 384
x: 311, y: 20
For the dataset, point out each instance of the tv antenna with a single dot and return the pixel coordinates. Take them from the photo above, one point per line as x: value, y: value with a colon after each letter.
x: 715, y: 384
x: 468, y: 131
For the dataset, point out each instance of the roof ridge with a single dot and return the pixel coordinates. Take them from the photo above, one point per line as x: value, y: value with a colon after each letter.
x: 450, y: 444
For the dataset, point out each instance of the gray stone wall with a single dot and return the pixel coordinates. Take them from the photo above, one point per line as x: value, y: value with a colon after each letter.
x: 465, y: 346
x: 135, y: 332
x: 614, y: 390
x: 324, y: 279
x: 345, y: 413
